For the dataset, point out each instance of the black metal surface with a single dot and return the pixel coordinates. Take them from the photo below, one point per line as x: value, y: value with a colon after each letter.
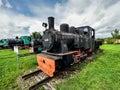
x: 36, y: 42
x: 72, y: 30
x: 30, y: 74
x: 51, y: 22
x: 97, y: 44
x: 67, y: 39
x: 40, y: 83
x: 53, y: 57
x: 12, y: 42
x: 64, y: 28
x: 48, y: 40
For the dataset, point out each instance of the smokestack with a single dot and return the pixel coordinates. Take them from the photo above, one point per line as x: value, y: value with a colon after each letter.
x: 51, y: 22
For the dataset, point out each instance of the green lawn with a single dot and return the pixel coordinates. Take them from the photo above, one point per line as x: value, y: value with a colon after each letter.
x: 103, y: 73
x: 9, y: 68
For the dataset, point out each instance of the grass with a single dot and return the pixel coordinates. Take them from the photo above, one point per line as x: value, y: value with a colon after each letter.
x: 103, y: 73
x: 9, y: 68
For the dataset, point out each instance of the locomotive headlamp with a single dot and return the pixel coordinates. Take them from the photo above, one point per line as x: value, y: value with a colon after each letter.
x: 44, y: 25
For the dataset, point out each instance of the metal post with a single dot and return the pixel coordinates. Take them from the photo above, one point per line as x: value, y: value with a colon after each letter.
x: 17, y: 51
x: 18, y: 62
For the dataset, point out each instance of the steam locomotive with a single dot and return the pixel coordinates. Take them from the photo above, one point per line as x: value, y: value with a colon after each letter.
x: 65, y: 47
x: 22, y: 42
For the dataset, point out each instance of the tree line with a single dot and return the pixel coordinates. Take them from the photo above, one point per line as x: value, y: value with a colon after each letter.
x: 114, y: 39
x: 115, y: 34
x: 36, y: 35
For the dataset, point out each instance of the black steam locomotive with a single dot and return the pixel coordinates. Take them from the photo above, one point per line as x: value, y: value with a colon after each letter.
x: 65, y: 47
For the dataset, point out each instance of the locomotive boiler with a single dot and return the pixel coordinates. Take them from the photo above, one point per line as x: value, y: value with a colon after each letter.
x: 65, y: 47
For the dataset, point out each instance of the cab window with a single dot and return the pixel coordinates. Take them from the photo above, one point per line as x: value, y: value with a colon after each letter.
x: 85, y: 31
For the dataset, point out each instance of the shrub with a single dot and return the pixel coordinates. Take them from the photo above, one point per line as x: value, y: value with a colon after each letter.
x: 110, y: 40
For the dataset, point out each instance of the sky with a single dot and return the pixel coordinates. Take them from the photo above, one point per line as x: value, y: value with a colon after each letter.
x: 22, y: 17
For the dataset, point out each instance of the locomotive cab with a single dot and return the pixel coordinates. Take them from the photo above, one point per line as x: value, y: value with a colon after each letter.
x: 88, y: 37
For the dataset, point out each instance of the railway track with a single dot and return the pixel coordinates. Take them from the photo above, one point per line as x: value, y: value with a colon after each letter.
x: 44, y: 80
x: 30, y: 74
x: 41, y: 81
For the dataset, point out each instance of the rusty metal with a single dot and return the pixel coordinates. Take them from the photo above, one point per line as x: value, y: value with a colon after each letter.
x: 30, y: 74
x: 40, y: 83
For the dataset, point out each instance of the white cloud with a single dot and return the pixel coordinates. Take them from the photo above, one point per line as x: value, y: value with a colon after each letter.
x: 8, y: 5
x: 102, y: 15
x: 5, y: 4
x: 1, y: 3
x: 13, y: 24
x: 98, y: 14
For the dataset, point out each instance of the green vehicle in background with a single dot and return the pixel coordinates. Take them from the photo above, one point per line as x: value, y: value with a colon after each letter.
x: 3, y: 43
x: 22, y: 42
x: 26, y: 40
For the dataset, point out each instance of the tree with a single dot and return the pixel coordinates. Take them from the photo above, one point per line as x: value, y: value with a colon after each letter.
x: 115, y: 34
x: 36, y: 35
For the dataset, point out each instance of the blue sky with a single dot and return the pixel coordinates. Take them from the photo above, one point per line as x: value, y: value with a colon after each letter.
x: 22, y: 17
x: 23, y: 6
